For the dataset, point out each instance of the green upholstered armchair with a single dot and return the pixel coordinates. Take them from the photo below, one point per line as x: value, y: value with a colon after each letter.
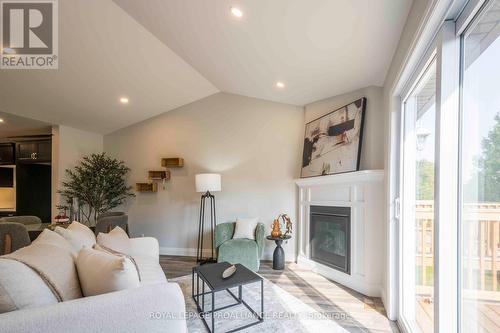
x: 239, y: 251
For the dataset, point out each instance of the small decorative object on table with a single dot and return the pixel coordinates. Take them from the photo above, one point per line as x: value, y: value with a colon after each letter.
x: 228, y: 272
x: 61, y: 217
x: 287, y: 223
x: 276, y: 229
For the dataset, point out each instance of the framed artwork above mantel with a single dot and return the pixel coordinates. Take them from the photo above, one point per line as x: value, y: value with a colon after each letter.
x: 332, y: 143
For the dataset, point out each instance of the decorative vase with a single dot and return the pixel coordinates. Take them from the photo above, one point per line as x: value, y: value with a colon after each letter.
x: 276, y: 229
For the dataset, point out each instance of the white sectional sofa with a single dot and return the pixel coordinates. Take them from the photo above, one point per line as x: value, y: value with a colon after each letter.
x: 155, y: 306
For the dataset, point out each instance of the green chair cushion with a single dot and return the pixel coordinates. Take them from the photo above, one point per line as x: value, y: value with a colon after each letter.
x: 240, y: 251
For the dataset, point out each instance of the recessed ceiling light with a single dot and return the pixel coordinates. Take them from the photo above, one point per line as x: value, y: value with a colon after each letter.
x: 124, y: 100
x: 280, y: 85
x: 236, y: 12
x: 1, y: 120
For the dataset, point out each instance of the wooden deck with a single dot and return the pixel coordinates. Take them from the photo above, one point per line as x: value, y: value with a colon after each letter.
x: 480, y: 264
x: 480, y: 312
x: 357, y: 313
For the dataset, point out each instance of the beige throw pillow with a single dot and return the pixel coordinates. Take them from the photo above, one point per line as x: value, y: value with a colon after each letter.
x: 78, y: 235
x: 21, y: 287
x: 245, y: 228
x: 117, y: 240
x: 101, y: 272
x: 52, y: 238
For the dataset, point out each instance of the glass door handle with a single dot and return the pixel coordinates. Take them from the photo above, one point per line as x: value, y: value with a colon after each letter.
x: 397, y: 208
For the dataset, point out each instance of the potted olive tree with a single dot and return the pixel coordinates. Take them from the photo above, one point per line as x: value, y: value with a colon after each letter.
x: 98, y: 184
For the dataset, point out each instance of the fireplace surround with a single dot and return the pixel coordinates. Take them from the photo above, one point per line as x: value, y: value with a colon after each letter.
x: 360, y: 194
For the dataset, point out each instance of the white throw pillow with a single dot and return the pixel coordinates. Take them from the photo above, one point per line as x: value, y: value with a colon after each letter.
x: 117, y: 240
x: 245, y: 228
x: 101, y: 272
x: 78, y: 235
x: 52, y: 238
x: 21, y: 287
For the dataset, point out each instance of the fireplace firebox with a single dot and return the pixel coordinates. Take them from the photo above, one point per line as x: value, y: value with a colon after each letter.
x: 330, y: 236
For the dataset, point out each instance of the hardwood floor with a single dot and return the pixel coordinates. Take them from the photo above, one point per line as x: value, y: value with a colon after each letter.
x: 355, y: 312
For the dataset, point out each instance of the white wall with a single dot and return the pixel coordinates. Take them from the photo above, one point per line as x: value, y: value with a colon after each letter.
x: 372, y: 150
x: 69, y: 145
x: 256, y: 145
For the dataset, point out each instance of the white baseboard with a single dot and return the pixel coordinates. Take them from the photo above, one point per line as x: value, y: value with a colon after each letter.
x: 191, y: 252
x: 179, y: 251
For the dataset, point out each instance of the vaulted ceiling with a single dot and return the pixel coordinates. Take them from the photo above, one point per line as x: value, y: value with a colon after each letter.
x: 165, y: 54
x: 13, y: 126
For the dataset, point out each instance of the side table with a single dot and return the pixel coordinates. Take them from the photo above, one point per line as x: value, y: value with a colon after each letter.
x: 279, y: 254
x: 211, y: 275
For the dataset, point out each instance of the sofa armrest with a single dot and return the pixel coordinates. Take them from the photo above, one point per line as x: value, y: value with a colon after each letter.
x: 260, y: 234
x: 223, y: 233
x: 152, y: 308
x: 145, y: 246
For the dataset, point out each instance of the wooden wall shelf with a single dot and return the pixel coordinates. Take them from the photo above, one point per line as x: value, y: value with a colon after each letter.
x: 172, y: 162
x: 146, y: 187
x: 159, y: 175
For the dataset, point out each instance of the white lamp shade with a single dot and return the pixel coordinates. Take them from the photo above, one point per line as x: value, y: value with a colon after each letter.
x: 208, y: 182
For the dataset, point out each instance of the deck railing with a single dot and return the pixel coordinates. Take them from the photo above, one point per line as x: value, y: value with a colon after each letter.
x: 480, y: 245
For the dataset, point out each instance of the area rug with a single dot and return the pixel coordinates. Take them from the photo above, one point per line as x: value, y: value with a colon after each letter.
x: 282, y: 311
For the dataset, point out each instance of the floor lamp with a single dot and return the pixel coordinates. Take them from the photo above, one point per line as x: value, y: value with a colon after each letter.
x: 207, y: 183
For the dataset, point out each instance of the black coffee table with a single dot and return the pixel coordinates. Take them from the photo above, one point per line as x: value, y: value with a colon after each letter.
x: 211, y: 275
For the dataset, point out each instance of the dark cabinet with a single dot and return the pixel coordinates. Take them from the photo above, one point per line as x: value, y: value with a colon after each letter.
x: 34, y: 151
x: 44, y: 151
x: 33, y: 190
x: 7, y: 154
x: 26, y: 151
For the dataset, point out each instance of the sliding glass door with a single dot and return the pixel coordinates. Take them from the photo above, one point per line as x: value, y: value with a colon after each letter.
x: 418, y: 202
x: 480, y: 173
x: 449, y: 231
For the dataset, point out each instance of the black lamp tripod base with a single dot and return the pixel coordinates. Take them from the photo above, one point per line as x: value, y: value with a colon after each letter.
x: 201, y: 229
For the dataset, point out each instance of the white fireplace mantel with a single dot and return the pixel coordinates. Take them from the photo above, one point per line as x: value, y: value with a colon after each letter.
x: 348, y: 177
x: 363, y: 192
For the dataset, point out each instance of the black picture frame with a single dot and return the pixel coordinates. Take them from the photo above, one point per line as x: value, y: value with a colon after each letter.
x: 338, y: 129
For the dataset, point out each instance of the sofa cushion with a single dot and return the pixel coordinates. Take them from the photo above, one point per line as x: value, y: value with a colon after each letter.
x: 53, y: 238
x: 21, y: 287
x: 145, y: 246
x: 102, y: 272
x: 150, y: 270
x: 117, y: 240
x: 240, y: 251
x: 78, y: 235
x: 148, y: 267
x: 54, y: 265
